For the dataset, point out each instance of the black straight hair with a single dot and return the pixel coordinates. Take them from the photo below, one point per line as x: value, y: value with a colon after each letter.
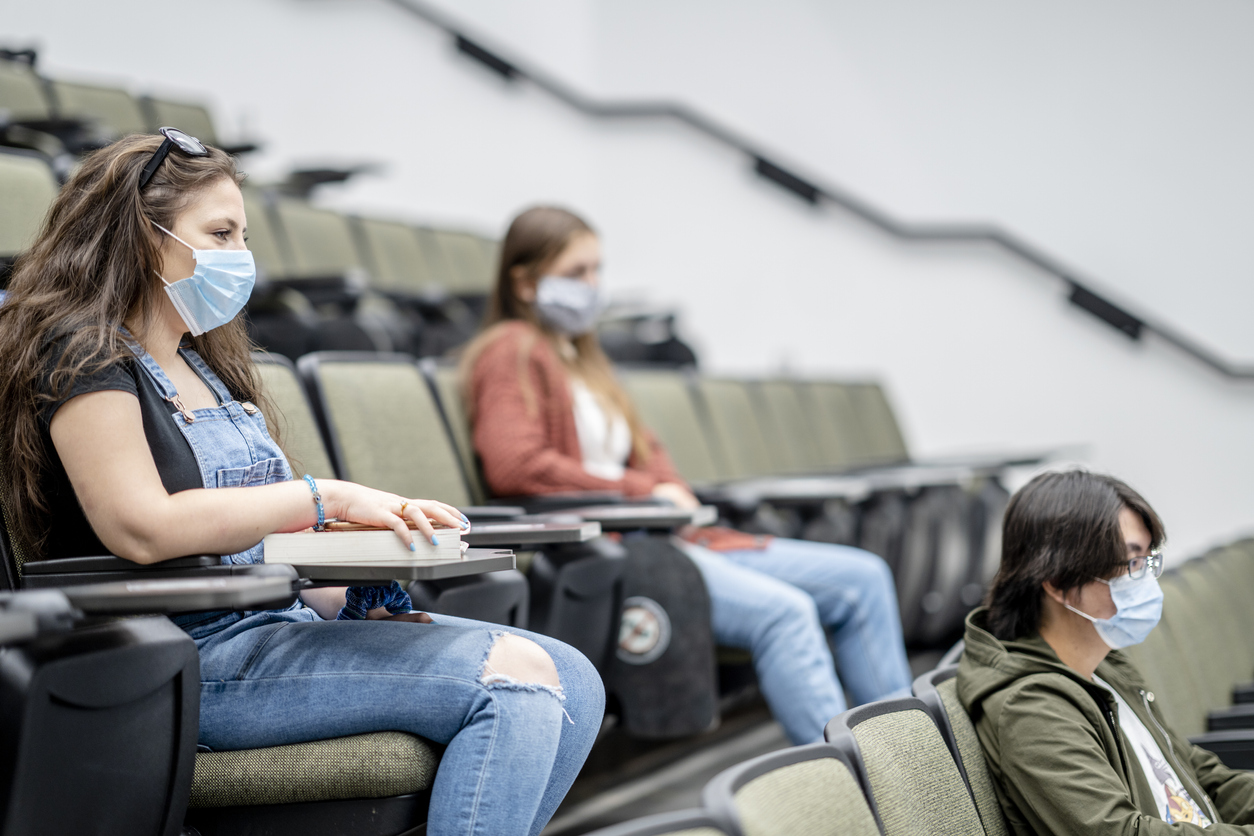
x: 1063, y: 528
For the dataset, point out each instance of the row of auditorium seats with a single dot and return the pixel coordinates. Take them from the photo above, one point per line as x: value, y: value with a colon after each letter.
x: 58, y: 117
x: 913, y: 766
x: 754, y: 447
x: 400, y: 425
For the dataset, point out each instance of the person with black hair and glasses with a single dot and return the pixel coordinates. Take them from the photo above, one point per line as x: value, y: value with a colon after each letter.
x: 1072, y: 736
x: 130, y: 423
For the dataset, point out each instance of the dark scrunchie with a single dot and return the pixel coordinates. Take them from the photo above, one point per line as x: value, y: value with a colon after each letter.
x: 359, y: 600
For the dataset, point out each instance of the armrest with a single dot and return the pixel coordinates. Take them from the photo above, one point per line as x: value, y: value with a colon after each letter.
x: 1243, y: 693
x: 1234, y: 748
x: 111, y: 563
x: 260, y: 587
x: 517, y: 535
x: 552, y: 502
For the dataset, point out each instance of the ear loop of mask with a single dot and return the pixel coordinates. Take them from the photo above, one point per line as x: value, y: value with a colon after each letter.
x: 176, y: 238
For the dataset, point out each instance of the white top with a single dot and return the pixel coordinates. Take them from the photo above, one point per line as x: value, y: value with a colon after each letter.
x: 1174, y: 802
x: 604, y: 440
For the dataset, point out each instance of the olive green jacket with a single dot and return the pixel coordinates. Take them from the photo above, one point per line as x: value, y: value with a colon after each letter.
x: 1059, y: 762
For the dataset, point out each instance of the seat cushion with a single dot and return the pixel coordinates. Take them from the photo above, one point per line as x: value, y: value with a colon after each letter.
x: 376, y: 765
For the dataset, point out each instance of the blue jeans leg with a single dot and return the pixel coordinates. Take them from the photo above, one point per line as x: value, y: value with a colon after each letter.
x: 856, y: 600
x: 779, y: 625
x: 585, y: 707
x: 280, y: 677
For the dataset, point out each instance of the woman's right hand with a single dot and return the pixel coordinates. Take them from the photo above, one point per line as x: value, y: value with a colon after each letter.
x: 351, y: 502
x: 676, y: 494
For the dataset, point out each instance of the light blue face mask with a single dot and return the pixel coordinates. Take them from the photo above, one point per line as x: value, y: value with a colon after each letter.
x: 216, y: 291
x: 568, y: 306
x: 1138, y: 607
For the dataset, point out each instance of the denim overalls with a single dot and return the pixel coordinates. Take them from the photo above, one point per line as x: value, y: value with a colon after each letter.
x: 284, y: 676
x: 233, y: 449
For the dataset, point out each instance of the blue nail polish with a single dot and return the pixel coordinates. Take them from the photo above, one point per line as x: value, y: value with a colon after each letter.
x: 433, y: 541
x: 463, y: 516
x: 412, y: 547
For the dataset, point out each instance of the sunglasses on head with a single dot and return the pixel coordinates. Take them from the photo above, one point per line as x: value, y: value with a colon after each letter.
x: 174, y: 138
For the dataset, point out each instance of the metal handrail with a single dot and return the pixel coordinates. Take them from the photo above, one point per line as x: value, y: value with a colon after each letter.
x: 1081, y: 290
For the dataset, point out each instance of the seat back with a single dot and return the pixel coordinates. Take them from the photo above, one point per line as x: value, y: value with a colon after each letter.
x: 268, y: 249
x: 470, y: 272
x: 914, y: 779
x: 938, y: 691
x: 880, y: 430
x: 786, y: 424
x: 320, y: 241
x: 188, y: 117
x: 113, y: 108
x: 732, y: 421
x: 446, y: 382
x: 27, y: 189
x: 1192, y: 697
x: 812, y: 790
x: 1164, y: 666
x: 395, y: 257
x: 383, y: 425
x: 291, y: 417
x: 664, y: 399
x: 22, y: 92
x: 832, y: 423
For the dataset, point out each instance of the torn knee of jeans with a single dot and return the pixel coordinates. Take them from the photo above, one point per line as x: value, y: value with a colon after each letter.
x: 519, y: 664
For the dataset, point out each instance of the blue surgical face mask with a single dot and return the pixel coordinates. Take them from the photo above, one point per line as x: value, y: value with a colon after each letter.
x: 568, y: 306
x: 1138, y: 607
x: 217, y: 291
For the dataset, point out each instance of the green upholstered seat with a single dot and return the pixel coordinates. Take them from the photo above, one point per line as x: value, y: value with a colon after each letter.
x: 397, y: 260
x: 291, y: 420
x: 879, y: 428
x: 980, y: 781
x: 384, y: 424
x: 809, y: 790
x: 320, y: 242
x: 376, y: 765
x: 914, y: 779
x: 189, y: 117
x: 734, y: 426
x: 27, y: 189
x: 448, y: 389
x: 269, y: 251
x: 22, y: 92
x: 113, y: 108
x: 833, y: 423
x: 470, y: 273
x: 665, y: 402
x: 786, y: 427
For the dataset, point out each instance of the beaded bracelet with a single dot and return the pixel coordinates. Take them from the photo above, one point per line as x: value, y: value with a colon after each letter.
x: 317, y: 498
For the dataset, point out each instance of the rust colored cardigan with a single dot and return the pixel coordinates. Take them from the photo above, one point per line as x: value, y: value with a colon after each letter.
x: 524, y: 426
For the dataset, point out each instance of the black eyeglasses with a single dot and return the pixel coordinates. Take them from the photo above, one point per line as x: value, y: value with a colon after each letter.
x: 1151, y: 564
x: 188, y: 144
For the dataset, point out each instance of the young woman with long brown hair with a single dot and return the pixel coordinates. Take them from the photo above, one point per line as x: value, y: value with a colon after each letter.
x: 119, y: 433
x: 549, y: 416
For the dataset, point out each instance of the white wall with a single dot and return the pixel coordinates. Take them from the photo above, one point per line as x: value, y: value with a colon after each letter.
x: 1114, y: 136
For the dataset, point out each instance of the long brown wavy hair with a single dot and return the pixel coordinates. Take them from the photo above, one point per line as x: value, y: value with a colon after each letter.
x: 89, y: 272
x: 534, y: 241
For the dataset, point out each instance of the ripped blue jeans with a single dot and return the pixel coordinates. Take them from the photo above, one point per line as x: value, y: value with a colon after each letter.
x: 513, y: 749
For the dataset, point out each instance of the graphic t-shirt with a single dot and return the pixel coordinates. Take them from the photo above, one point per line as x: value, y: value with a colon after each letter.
x: 1174, y: 802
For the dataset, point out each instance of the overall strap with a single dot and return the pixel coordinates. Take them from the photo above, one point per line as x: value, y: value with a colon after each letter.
x: 150, y: 365
x: 202, y: 368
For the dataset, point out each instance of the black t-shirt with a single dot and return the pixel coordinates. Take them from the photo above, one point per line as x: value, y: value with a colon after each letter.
x: 69, y: 533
